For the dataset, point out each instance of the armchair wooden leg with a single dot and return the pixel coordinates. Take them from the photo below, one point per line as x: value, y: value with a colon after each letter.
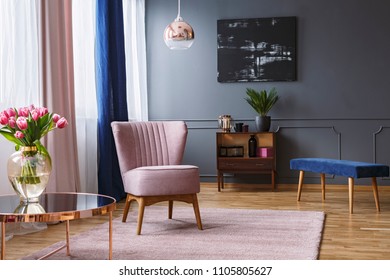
x: 127, y: 207
x: 196, y: 211
x: 170, y: 209
x: 141, y: 209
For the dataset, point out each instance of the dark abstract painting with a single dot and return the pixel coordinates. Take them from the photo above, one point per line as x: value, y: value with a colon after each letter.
x: 257, y: 50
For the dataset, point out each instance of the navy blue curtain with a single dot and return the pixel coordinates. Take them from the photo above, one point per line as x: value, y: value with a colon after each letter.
x: 111, y: 92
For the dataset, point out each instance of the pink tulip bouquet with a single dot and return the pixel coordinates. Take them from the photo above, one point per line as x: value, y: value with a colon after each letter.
x: 26, y: 126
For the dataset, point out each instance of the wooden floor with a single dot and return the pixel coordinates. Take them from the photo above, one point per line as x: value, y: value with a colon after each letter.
x: 362, y: 235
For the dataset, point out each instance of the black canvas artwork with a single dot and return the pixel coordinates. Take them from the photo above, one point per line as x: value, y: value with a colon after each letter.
x: 257, y: 50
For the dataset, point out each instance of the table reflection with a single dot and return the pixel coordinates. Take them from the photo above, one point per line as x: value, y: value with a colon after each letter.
x: 55, y: 207
x: 29, y: 208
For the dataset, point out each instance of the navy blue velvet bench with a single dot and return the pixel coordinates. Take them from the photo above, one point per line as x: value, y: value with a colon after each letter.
x: 346, y: 168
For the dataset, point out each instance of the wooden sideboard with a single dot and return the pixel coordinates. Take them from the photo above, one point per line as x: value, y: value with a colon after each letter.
x: 238, y: 161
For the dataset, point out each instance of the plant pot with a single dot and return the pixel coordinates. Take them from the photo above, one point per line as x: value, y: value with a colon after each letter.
x: 263, y: 123
x: 29, y: 172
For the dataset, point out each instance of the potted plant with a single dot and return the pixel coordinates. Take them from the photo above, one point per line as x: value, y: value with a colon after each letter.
x: 262, y: 102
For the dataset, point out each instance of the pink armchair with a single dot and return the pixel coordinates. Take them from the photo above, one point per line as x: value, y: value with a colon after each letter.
x: 150, y: 156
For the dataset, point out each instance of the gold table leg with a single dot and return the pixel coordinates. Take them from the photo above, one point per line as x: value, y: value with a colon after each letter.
x: 2, y: 240
x: 110, y: 236
x: 67, y: 245
x: 62, y: 247
x: 67, y: 238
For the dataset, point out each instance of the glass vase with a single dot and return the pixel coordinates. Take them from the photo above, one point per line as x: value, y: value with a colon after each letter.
x: 29, y: 172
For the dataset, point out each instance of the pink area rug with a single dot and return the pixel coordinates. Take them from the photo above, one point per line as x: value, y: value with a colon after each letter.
x: 228, y: 234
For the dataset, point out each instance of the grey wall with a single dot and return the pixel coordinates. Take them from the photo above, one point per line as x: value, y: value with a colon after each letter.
x: 337, y: 108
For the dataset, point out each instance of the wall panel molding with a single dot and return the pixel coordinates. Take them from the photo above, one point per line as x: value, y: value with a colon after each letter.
x: 375, y: 151
x: 332, y: 128
x: 353, y: 136
x: 374, y: 142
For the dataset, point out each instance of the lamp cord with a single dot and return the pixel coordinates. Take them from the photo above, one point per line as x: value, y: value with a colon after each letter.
x: 178, y: 8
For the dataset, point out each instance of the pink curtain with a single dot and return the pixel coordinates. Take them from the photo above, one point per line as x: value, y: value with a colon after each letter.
x: 58, y: 92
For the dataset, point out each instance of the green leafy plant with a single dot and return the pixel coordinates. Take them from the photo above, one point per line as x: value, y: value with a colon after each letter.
x: 261, y: 101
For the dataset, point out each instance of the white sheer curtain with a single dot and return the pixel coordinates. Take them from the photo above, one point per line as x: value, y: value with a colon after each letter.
x: 135, y: 48
x: 19, y: 66
x: 84, y: 63
x: 19, y: 79
x: 19, y: 54
x: 85, y: 92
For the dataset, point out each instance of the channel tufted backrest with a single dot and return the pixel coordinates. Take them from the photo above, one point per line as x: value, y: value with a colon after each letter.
x: 149, y: 143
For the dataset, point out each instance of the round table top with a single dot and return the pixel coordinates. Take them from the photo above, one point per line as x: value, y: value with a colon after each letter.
x: 54, y: 207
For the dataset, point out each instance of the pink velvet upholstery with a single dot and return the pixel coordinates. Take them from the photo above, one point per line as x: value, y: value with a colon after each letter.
x: 149, y: 143
x: 150, y: 156
x: 162, y: 180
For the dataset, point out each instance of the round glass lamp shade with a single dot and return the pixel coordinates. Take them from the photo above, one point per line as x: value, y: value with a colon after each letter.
x: 179, y: 35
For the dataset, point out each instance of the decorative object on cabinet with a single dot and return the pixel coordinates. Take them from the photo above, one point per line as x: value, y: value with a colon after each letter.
x: 233, y: 151
x: 262, y: 102
x: 225, y: 123
x: 257, y: 50
x: 238, y: 127
x: 245, y: 164
x: 264, y: 152
x: 252, y: 146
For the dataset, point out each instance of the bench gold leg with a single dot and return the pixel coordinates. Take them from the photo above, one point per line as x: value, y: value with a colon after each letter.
x: 301, y: 176
x: 376, y: 195
x: 351, y: 185
x: 323, y: 185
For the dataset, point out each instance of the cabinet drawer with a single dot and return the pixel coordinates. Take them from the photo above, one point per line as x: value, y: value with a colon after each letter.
x: 245, y: 164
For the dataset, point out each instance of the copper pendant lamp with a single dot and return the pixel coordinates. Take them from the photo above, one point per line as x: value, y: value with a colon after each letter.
x: 179, y: 35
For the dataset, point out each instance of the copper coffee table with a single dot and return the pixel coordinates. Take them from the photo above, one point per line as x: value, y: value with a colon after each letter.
x: 55, y: 207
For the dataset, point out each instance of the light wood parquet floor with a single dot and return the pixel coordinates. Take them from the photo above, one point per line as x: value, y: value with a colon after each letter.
x: 364, y: 235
